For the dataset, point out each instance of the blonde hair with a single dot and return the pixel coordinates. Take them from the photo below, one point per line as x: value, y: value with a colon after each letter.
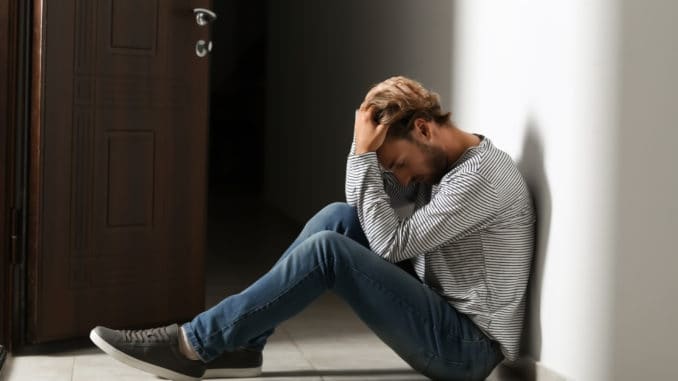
x: 398, y: 101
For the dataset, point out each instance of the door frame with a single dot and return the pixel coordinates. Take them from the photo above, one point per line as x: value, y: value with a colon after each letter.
x: 5, y: 299
x: 35, y: 39
x: 4, y: 186
x: 16, y: 67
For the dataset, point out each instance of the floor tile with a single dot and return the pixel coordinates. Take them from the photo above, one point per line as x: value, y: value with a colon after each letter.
x: 281, y: 354
x: 39, y: 368
x: 97, y: 366
x: 341, y: 347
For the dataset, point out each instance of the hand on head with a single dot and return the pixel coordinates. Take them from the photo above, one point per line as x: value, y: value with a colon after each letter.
x: 369, y: 135
x: 385, y: 103
x: 391, y: 108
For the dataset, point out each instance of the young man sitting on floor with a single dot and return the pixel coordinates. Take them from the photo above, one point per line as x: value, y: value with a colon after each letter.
x: 421, y: 193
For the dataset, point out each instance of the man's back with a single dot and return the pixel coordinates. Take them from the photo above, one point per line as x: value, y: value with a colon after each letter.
x: 484, y: 272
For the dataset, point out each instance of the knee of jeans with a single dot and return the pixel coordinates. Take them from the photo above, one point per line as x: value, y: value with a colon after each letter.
x: 325, y: 237
x: 328, y: 242
x: 338, y: 212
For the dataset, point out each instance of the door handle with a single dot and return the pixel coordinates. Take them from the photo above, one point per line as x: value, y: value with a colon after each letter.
x: 203, y: 47
x: 204, y: 16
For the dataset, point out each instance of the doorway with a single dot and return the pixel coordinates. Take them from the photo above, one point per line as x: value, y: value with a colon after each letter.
x: 245, y: 234
x: 15, y: 28
x: 238, y: 96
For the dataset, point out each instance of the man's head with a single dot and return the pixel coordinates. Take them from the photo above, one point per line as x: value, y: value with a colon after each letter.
x: 399, y: 101
x: 413, y: 150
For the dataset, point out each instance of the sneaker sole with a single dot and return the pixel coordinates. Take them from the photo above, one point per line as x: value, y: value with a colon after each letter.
x: 136, y: 363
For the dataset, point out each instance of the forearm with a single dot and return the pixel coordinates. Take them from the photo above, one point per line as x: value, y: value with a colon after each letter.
x: 401, y: 197
x: 365, y: 191
x: 454, y: 212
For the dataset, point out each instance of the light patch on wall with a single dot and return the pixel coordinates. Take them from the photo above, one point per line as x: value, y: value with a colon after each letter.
x: 538, y: 79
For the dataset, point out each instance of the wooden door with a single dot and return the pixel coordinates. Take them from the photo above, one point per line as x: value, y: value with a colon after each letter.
x: 118, y: 186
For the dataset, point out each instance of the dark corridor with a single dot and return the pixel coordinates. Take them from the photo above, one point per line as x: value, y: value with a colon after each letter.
x: 238, y: 97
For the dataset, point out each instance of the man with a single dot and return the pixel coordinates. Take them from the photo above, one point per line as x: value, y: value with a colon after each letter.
x: 420, y: 192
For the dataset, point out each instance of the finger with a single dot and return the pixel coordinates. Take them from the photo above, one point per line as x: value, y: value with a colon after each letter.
x: 364, y: 117
x: 364, y: 106
x: 365, y: 111
x: 381, y: 127
x: 368, y: 114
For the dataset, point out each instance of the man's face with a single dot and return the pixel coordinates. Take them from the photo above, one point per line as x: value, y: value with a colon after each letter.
x: 413, y: 161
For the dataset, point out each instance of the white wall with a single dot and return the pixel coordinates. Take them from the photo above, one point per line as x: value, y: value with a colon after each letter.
x: 538, y: 78
x: 645, y: 336
x: 323, y: 56
x: 583, y: 94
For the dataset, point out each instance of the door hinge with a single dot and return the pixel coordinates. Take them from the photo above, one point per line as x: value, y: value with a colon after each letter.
x: 15, y: 231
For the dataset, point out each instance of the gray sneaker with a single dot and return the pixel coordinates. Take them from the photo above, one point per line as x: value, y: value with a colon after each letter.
x: 156, y: 351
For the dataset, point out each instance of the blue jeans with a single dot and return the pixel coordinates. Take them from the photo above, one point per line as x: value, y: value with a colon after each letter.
x: 332, y: 253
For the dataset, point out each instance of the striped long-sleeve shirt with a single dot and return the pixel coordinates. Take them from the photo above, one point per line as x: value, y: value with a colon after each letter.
x: 470, y: 237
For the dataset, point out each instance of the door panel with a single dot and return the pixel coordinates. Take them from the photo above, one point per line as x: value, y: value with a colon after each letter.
x: 121, y: 234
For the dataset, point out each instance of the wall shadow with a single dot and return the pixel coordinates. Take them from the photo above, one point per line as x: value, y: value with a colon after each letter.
x: 531, y: 165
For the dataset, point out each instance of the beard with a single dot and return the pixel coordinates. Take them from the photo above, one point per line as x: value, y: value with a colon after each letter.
x: 436, y: 160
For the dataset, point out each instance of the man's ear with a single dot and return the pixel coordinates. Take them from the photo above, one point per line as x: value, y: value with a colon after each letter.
x: 422, y: 128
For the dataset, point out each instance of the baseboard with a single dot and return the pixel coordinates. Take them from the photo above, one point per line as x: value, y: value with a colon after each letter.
x: 525, y: 369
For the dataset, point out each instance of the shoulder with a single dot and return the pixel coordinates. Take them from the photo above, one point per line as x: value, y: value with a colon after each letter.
x: 484, y: 166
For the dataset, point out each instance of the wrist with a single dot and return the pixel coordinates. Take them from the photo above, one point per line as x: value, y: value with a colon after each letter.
x: 362, y: 150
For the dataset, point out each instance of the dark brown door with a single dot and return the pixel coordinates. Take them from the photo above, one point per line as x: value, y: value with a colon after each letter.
x: 119, y: 163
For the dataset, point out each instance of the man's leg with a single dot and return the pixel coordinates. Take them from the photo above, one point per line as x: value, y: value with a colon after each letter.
x: 408, y: 316
x: 338, y: 217
x: 444, y: 346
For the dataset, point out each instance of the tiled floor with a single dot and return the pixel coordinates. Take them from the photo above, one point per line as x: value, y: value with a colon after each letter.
x: 325, y: 342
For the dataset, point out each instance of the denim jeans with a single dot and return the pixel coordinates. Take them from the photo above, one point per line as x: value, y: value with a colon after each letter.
x: 332, y: 253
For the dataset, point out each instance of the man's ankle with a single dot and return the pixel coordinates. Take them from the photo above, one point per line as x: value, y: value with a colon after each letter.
x: 185, y: 346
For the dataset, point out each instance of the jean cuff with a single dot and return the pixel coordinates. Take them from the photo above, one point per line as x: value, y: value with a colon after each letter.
x: 195, y: 343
